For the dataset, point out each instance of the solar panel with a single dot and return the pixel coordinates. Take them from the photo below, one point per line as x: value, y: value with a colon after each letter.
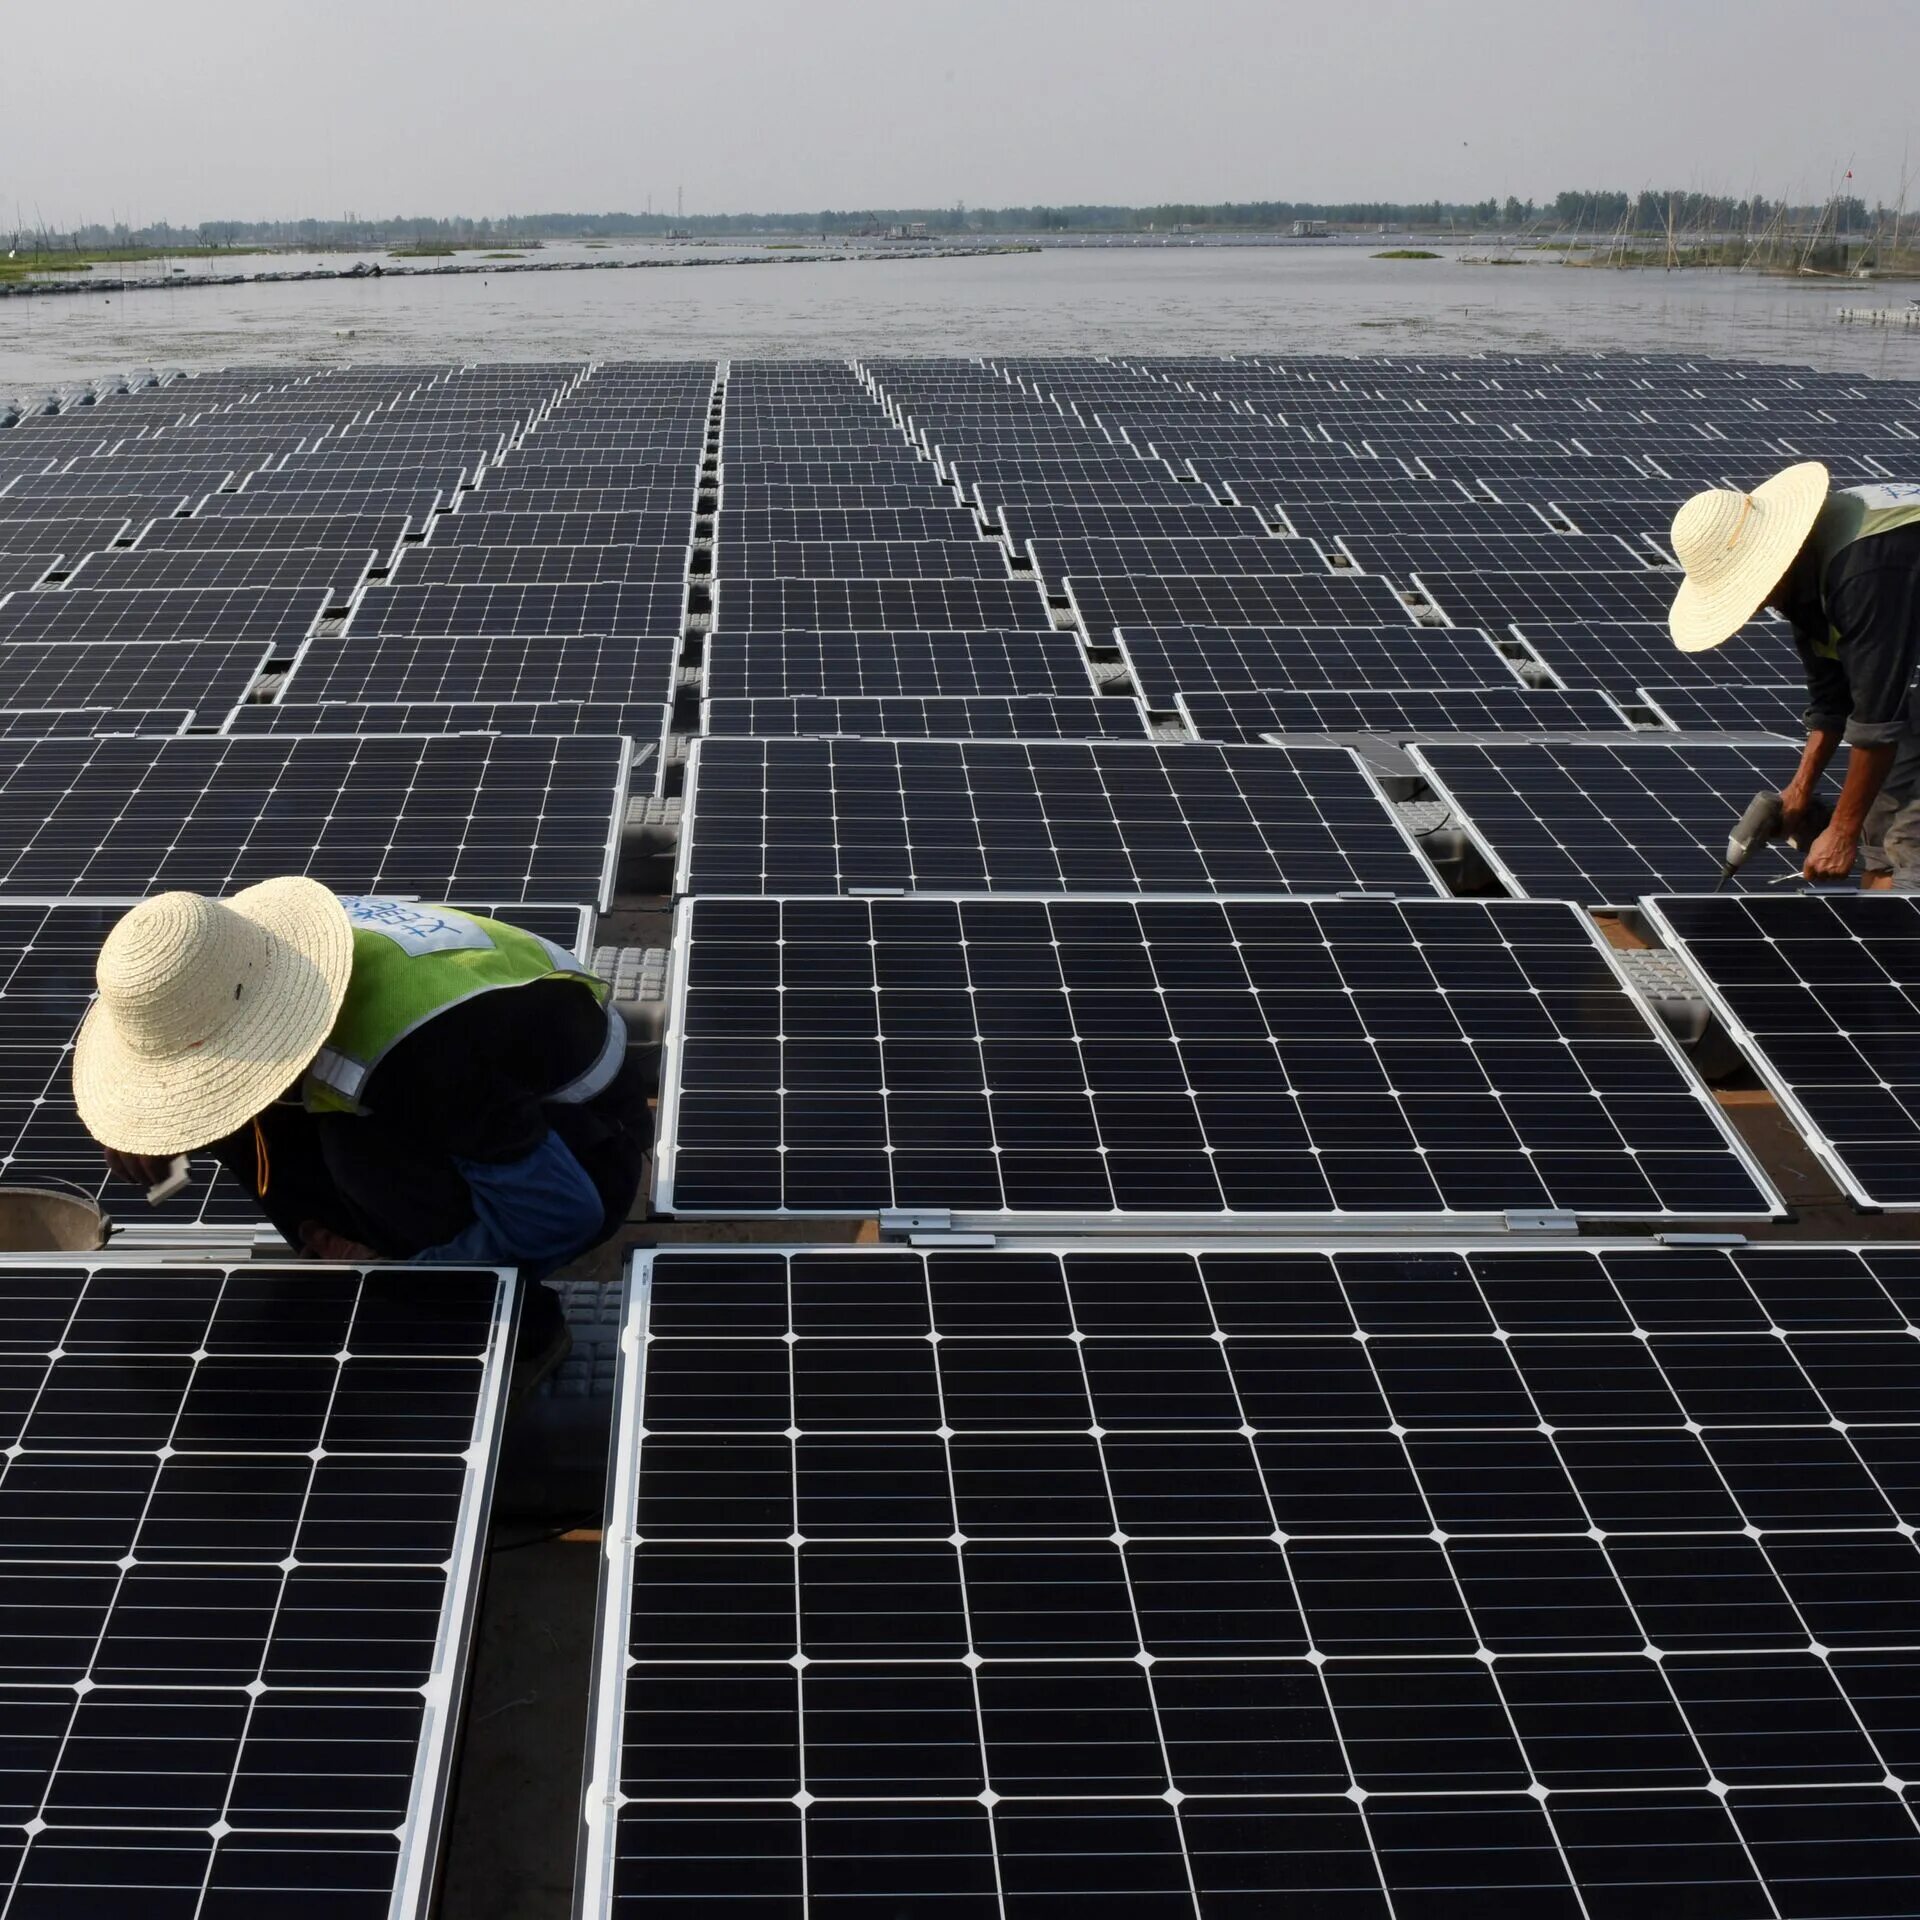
x: 1643, y: 523
x: 472, y: 562
x: 232, y: 532
x: 1522, y: 599
x: 1132, y: 558
x: 1251, y: 716
x: 1236, y: 600
x: 1518, y: 553
x: 1732, y: 708
x: 26, y: 570
x: 1818, y: 991
x: 1164, y: 661
x: 1394, y: 520
x: 775, y: 665
x: 921, y: 524
x: 205, y: 674
x: 912, y: 495
x: 671, y: 496
x: 1289, y: 1580
x: 246, y: 1509
x: 273, y: 617
x: 1605, y: 822
x: 517, y: 667
x: 473, y: 527
x: 1622, y: 655
x: 859, y: 560
x: 449, y: 818
x: 641, y: 607
x: 339, y: 574
x: 895, y: 606
x: 1124, y: 1062
x: 1122, y: 522
x: 46, y: 722
x: 841, y: 815
x: 941, y: 717
x: 638, y: 722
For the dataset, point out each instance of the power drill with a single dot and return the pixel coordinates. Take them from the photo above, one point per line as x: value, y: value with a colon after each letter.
x: 1764, y: 820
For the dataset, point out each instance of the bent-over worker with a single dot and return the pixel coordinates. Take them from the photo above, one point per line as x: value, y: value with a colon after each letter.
x: 386, y: 1080
x: 1842, y: 567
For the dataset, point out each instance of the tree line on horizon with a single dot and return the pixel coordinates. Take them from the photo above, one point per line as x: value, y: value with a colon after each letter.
x: 1576, y: 213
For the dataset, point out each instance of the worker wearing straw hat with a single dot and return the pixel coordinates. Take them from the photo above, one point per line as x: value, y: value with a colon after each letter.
x: 1842, y: 567
x: 386, y: 1080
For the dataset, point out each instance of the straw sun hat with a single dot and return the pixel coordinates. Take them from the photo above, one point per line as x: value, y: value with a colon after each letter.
x: 208, y: 1011
x: 1736, y: 547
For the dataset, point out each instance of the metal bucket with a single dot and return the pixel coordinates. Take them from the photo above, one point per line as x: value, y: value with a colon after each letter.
x: 46, y: 1220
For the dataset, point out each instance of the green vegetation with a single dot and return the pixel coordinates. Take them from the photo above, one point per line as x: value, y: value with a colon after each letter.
x: 507, y: 255
x: 1406, y: 253
x: 23, y: 261
x: 423, y: 250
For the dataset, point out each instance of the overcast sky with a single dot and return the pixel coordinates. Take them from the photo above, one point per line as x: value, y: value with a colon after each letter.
x: 205, y: 109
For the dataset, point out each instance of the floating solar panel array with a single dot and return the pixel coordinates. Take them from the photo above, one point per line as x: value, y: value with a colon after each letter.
x: 1163, y: 1570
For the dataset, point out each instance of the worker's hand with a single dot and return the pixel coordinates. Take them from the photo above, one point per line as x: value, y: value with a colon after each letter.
x: 322, y: 1243
x: 1793, y: 814
x: 1831, y: 856
x: 138, y: 1169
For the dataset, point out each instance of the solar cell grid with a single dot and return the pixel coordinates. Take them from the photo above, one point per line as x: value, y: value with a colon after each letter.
x: 1606, y: 822
x: 1249, y: 716
x: 1489, y: 599
x: 636, y: 721
x: 937, y: 717
x: 590, y: 668
x: 274, y: 617
x: 850, y: 815
x: 887, y: 606
x: 757, y: 525
x: 638, y: 607
x: 507, y: 819
x: 1237, y: 600
x: 1728, y: 708
x: 474, y: 526
x: 1165, y: 661
x: 339, y: 574
x: 245, y: 1513
x: 24, y: 571
x: 1057, y: 559
x: 483, y: 563
x: 774, y: 664
x: 1115, y: 1061
x: 1122, y: 522
x: 1395, y: 520
x: 1267, y: 1581
x: 1621, y: 655
x: 1819, y: 992
x: 966, y: 558
x: 1544, y: 551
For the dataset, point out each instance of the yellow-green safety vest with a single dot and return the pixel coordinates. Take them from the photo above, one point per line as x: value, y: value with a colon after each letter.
x: 413, y: 961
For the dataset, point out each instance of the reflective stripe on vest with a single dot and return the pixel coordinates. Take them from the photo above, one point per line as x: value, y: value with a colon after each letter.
x: 410, y: 963
x: 1858, y: 513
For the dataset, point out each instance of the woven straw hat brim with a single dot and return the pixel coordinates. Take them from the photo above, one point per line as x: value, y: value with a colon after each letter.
x: 140, y: 1102
x: 1706, y: 617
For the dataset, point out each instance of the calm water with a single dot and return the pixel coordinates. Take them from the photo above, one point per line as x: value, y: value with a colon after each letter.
x: 1210, y: 300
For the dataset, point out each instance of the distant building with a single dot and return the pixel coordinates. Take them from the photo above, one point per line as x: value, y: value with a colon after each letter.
x: 1309, y: 229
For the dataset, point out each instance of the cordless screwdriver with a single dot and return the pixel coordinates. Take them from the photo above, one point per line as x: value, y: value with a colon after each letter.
x: 1764, y: 820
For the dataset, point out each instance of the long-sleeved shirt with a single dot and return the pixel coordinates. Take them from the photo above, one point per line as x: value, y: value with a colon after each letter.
x: 1858, y: 635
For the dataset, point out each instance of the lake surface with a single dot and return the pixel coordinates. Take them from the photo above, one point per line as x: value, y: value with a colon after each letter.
x: 1332, y: 299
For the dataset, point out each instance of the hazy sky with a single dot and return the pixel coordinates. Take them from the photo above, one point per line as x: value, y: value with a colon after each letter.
x: 204, y: 109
